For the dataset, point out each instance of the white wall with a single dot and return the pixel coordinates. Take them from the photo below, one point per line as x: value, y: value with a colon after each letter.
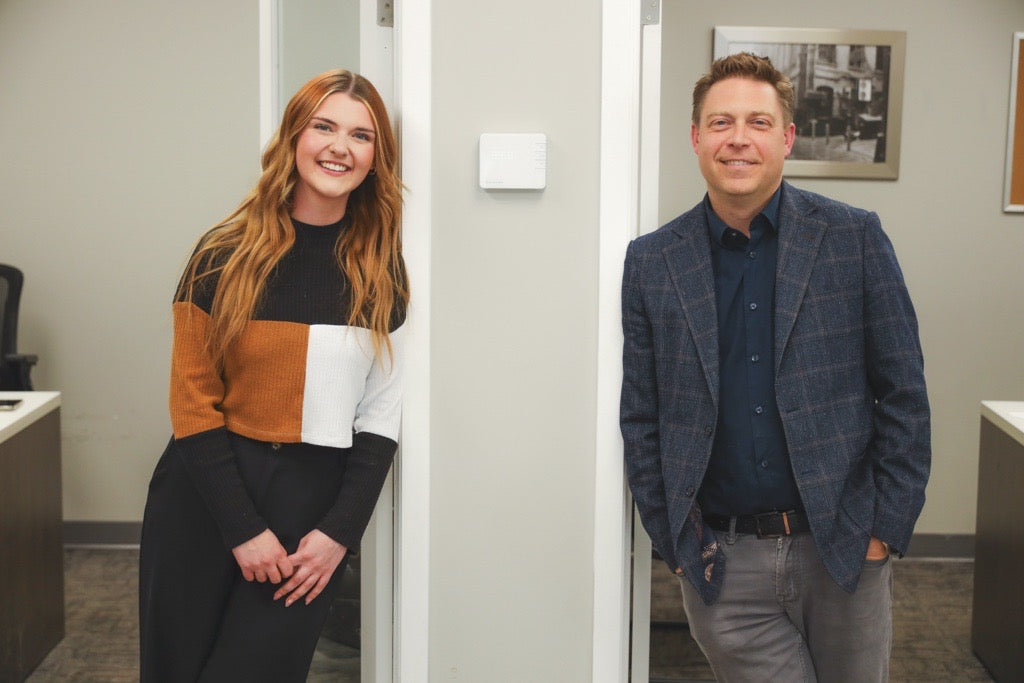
x: 513, y: 362
x: 960, y: 254
x: 128, y: 129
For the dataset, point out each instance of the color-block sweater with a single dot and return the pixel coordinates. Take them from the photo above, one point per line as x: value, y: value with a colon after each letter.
x: 298, y: 373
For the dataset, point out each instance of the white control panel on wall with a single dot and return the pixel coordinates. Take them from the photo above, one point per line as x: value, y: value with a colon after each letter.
x: 513, y: 161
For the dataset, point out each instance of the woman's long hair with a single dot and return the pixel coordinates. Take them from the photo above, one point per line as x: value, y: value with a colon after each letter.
x: 244, y: 248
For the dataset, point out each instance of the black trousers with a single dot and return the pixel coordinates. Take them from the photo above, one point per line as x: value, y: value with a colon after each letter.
x: 199, y: 620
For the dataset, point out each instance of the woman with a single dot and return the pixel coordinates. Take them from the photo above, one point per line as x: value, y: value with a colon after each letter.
x: 285, y: 399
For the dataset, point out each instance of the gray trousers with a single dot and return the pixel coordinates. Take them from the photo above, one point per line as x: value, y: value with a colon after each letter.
x: 781, y: 617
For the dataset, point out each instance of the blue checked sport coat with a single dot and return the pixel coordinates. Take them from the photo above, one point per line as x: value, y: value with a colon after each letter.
x: 849, y: 380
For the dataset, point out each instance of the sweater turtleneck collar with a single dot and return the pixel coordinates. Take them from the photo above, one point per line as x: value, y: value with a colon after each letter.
x: 310, y: 231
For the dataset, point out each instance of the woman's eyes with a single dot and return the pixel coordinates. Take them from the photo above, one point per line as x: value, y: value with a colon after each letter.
x: 358, y: 135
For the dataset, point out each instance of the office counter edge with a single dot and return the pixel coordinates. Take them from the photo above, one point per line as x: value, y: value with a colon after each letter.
x: 34, y: 406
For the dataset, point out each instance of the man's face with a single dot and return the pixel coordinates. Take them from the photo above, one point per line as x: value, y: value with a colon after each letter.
x: 741, y: 142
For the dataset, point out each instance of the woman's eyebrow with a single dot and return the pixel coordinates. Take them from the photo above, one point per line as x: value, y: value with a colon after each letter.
x: 359, y: 129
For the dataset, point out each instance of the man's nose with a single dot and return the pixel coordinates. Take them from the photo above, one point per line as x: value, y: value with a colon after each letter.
x: 739, y: 135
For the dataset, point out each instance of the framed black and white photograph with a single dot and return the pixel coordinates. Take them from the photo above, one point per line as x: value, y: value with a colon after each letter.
x: 1013, y: 188
x: 849, y: 95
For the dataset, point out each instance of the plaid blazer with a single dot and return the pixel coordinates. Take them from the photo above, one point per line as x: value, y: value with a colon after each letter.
x: 849, y: 380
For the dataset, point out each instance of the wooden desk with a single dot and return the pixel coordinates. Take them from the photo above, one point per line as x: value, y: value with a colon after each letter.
x: 31, y: 542
x: 997, y: 626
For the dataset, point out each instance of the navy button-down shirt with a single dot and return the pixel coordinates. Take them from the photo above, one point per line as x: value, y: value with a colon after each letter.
x: 749, y: 472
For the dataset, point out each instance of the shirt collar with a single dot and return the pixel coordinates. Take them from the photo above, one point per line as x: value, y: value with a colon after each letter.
x: 720, y: 231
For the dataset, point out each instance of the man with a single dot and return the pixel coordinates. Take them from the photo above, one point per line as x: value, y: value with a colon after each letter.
x: 774, y: 414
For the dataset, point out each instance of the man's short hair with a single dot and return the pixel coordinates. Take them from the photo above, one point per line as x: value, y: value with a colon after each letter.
x: 745, y: 65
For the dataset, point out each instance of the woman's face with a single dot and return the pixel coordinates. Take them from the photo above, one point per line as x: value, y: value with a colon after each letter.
x: 333, y: 155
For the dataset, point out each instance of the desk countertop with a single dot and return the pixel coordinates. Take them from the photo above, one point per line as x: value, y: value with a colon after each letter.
x: 34, y: 405
x: 1007, y: 415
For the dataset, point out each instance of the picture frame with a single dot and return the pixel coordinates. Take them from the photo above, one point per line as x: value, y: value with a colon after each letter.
x: 849, y: 95
x: 1013, y: 185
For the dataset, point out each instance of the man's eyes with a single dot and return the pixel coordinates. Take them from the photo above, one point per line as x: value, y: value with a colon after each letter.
x: 725, y: 123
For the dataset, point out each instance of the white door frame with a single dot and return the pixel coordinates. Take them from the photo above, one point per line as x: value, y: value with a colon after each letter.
x: 269, y: 49
x: 377, y: 614
x: 412, y: 561
x: 650, y: 156
x: 630, y: 105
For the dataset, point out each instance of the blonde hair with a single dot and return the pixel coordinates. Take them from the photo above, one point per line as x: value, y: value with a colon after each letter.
x: 244, y: 248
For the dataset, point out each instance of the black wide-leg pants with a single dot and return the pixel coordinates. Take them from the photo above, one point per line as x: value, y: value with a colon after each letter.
x: 199, y: 620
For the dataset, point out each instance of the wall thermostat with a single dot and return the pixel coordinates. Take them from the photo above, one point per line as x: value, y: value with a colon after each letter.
x: 513, y: 161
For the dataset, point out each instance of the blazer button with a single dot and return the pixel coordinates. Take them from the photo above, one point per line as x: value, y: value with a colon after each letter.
x: 689, y: 492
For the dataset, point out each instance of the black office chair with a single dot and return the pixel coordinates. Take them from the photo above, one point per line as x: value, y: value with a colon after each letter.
x: 14, y: 367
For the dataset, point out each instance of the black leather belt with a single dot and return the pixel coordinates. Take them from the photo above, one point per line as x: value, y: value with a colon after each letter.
x: 766, y: 525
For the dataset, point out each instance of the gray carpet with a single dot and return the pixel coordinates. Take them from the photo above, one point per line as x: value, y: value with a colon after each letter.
x: 932, y: 623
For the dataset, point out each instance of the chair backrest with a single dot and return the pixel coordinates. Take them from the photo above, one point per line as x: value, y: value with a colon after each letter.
x: 11, y: 280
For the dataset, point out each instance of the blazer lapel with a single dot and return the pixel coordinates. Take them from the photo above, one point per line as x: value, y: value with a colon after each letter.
x: 800, y: 236
x: 689, y: 266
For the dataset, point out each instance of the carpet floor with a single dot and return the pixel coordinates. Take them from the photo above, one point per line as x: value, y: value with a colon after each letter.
x: 931, y: 622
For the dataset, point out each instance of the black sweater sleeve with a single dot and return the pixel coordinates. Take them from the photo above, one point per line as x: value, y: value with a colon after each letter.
x: 211, y: 465
x: 365, y: 471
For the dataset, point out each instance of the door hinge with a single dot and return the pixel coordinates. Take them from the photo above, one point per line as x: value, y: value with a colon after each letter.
x: 650, y: 12
x: 385, y: 12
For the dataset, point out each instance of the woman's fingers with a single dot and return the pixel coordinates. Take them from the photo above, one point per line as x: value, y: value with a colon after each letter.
x: 294, y: 582
x: 263, y: 558
x: 303, y: 589
x: 317, y: 589
x: 306, y: 573
x: 298, y: 585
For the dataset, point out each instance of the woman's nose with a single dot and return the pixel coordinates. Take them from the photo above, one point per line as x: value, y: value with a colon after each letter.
x: 339, y: 147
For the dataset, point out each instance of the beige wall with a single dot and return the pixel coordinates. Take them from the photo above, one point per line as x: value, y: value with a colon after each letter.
x: 960, y: 254
x: 128, y: 128
x: 513, y: 361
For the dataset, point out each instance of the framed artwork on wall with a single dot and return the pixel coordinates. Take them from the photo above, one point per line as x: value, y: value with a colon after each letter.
x: 1013, y: 186
x: 849, y: 95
